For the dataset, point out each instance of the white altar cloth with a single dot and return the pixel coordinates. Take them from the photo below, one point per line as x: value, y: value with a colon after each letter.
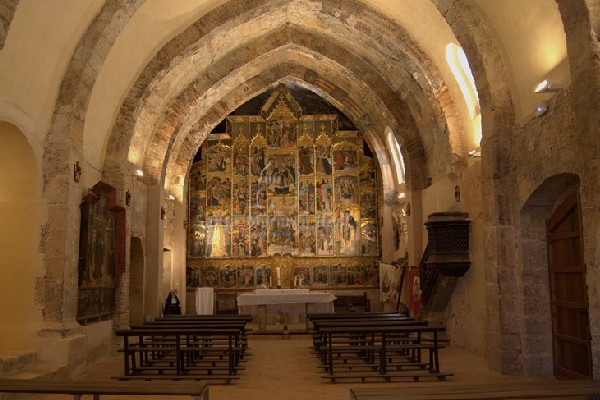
x: 205, y: 300
x: 286, y: 300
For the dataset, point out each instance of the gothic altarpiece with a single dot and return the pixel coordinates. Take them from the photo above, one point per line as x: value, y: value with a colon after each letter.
x: 287, y: 192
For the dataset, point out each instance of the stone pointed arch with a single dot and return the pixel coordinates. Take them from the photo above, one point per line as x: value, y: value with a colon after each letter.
x: 137, y: 107
x: 497, y: 113
x: 63, y: 147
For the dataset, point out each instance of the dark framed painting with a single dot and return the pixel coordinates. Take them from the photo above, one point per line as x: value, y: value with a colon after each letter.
x: 101, y: 253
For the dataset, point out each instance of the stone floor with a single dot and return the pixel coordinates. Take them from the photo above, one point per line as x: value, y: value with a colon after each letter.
x: 284, y: 368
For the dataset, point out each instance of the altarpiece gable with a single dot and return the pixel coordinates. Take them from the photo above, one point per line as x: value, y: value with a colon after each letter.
x: 288, y: 191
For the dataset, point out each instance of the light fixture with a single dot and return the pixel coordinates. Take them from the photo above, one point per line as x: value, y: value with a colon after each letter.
x: 139, y: 173
x: 541, y: 109
x: 170, y: 197
x: 476, y: 152
x: 546, y: 86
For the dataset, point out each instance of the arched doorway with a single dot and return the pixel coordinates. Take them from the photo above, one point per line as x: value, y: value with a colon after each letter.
x: 568, y: 292
x: 554, y: 326
x: 21, y: 261
x: 136, y: 282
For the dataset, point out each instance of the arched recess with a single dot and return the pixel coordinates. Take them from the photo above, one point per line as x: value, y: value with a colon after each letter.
x: 136, y: 282
x: 536, y: 342
x: 20, y: 263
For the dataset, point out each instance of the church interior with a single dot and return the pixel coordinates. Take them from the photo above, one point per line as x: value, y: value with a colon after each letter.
x: 431, y: 157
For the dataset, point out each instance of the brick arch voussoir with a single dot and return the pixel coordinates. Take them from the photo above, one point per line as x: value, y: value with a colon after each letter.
x: 186, y: 42
x: 63, y: 145
x: 181, y: 161
x: 497, y: 110
x: 234, y: 61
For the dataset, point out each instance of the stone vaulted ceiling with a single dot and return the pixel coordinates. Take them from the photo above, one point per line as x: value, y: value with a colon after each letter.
x: 143, y: 82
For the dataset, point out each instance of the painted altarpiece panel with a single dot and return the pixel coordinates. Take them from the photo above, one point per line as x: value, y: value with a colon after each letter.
x: 320, y: 276
x: 283, y: 183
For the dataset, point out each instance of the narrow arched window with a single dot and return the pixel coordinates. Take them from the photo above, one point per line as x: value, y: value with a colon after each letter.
x: 394, y: 148
x: 458, y: 63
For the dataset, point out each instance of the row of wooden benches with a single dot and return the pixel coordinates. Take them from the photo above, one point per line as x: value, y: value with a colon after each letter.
x: 376, y: 346
x: 199, y: 347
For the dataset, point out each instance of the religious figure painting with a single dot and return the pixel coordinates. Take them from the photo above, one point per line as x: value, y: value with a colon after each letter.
x: 368, y: 204
x: 263, y: 276
x: 301, y: 276
x: 218, y: 235
x: 240, y: 160
x: 324, y: 235
x: 210, y: 276
x: 356, y: 275
x: 367, y: 177
x: 306, y: 197
x: 345, y: 158
x: 197, y: 242
x: 257, y: 160
x: 338, y: 276
x: 246, y: 277
x: 323, y: 159
x: 368, y: 233
x: 98, y: 254
x: 258, y: 198
x: 282, y: 234
x: 240, y: 238
x: 197, y: 177
x: 306, y: 159
x: 346, y: 189
x: 258, y: 245
x: 320, y: 276
x: 281, y: 133
x: 372, y: 275
x: 324, y: 195
x: 192, y: 276
x: 307, y: 236
x: 346, y: 232
x: 218, y: 159
x: 279, y: 174
x: 240, y: 197
x: 228, y: 277
x: 218, y: 191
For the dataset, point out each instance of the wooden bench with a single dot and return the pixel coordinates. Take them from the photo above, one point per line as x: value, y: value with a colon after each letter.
x: 159, y: 352
x: 222, y: 317
x: 360, y: 315
x: 380, y: 345
x: 551, y: 389
x: 351, y: 303
x: 201, y: 324
x: 197, y: 390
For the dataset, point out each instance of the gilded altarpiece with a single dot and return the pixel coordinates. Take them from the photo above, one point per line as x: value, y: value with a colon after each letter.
x: 283, y: 191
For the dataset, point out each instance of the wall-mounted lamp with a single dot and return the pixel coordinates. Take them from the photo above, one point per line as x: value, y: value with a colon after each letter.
x: 546, y: 86
x: 541, y: 109
x: 139, y: 173
x: 170, y: 197
x: 476, y: 152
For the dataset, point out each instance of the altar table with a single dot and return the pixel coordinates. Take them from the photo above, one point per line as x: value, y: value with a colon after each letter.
x: 290, y: 301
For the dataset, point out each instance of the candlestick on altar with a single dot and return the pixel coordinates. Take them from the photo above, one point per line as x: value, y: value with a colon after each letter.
x: 278, y: 276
